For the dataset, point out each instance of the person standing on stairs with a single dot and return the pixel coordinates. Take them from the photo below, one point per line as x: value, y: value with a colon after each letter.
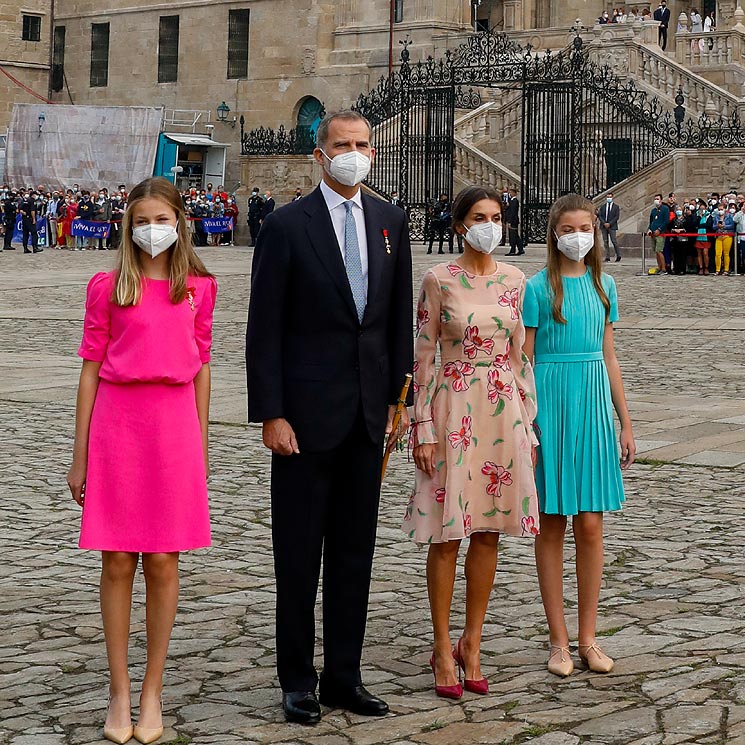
x: 662, y: 14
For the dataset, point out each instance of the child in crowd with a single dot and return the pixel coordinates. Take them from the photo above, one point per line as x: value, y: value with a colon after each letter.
x: 569, y: 310
x: 140, y: 456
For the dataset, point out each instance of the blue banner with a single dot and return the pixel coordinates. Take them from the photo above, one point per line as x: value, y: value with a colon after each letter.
x: 217, y: 224
x: 89, y: 229
x: 41, y: 231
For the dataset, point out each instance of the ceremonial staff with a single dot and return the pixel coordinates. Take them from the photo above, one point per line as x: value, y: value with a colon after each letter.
x: 401, y: 403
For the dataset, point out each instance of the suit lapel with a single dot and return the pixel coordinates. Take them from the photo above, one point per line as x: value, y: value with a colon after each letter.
x: 323, y: 239
x: 376, y: 250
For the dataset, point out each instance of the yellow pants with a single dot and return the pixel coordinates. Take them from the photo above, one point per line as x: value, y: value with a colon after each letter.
x: 723, y: 244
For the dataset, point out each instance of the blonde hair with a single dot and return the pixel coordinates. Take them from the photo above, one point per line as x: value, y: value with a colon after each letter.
x: 572, y: 203
x: 183, y: 259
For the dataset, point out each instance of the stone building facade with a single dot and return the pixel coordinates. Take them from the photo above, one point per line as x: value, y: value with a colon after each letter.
x: 25, y: 43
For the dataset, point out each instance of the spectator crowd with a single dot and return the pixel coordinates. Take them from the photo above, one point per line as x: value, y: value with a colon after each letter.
x: 56, y: 210
x: 701, y: 235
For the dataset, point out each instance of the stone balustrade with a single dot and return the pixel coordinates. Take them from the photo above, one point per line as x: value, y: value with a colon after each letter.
x: 710, y: 48
x: 474, y: 167
x: 474, y: 126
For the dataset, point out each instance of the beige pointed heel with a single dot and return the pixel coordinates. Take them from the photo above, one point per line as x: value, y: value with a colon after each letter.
x: 560, y: 661
x: 147, y: 735
x: 117, y: 734
x: 595, y: 658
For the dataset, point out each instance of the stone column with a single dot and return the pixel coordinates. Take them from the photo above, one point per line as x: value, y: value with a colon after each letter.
x: 513, y: 15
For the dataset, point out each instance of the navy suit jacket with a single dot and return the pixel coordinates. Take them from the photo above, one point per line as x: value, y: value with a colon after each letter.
x: 308, y: 357
x: 609, y: 216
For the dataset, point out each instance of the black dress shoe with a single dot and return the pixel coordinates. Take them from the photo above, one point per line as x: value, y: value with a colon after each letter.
x: 38, y: 250
x: 521, y: 252
x: 301, y: 707
x: 355, y: 699
x: 618, y: 258
x: 511, y: 253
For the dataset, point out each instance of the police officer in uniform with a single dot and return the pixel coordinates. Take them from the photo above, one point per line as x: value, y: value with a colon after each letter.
x: 255, y: 207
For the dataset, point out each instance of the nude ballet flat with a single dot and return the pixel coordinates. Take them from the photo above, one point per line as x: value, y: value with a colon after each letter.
x: 599, y: 662
x: 560, y: 661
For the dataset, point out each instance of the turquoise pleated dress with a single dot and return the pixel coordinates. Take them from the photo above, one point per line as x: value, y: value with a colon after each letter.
x: 578, y: 458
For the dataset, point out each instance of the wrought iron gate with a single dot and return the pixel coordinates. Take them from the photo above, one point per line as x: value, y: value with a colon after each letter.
x: 549, y: 147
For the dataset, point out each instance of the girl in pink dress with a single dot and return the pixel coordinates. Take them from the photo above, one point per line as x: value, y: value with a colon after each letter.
x: 140, y: 461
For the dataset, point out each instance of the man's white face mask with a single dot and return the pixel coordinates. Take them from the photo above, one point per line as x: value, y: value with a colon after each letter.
x: 348, y: 168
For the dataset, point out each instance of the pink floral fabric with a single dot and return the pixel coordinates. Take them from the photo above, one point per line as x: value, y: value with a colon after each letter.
x: 477, y: 408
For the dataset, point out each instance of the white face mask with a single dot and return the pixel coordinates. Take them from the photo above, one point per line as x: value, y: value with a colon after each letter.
x: 348, y: 168
x: 575, y: 246
x: 484, y: 236
x: 154, y: 239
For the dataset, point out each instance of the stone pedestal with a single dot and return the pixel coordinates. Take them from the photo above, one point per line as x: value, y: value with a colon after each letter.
x: 281, y: 174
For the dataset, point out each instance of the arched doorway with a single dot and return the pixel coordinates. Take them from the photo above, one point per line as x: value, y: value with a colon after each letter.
x: 309, y: 115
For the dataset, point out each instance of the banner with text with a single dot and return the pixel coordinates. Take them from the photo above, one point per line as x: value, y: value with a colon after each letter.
x: 217, y: 224
x: 41, y: 231
x: 89, y: 229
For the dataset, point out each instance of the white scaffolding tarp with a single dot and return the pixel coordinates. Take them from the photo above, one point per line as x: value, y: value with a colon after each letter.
x: 92, y: 146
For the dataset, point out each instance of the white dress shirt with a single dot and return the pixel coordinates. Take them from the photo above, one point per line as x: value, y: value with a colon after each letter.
x: 338, y: 212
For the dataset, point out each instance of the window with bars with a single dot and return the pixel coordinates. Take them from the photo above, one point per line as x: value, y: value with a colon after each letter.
x: 238, y: 43
x: 99, y: 55
x: 58, y: 58
x: 398, y: 11
x: 31, y: 28
x: 168, y: 49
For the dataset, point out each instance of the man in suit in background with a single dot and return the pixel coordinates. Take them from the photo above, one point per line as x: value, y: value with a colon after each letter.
x: 328, y: 343
x: 608, y: 215
x: 255, y: 206
x: 662, y: 14
x: 512, y: 218
x: 268, y: 207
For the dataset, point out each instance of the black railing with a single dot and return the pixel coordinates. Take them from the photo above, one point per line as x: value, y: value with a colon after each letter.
x: 263, y: 141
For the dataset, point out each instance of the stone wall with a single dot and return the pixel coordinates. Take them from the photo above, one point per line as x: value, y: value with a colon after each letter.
x: 27, y: 61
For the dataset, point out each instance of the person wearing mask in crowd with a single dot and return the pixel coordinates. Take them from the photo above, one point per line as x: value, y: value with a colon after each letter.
x: 440, y: 216
x: 103, y: 214
x: 28, y: 210
x: 704, y: 224
x: 512, y: 218
x: 396, y: 200
x: 86, y: 211
x: 218, y: 212
x: 62, y: 221
x: 231, y: 211
x: 200, y: 210
x: 739, y: 220
x: 603, y: 19
x: 662, y: 14
x: 209, y: 194
x: 678, y: 241
x: 10, y: 212
x: 71, y: 212
x: 724, y: 227
x: 608, y: 215
x: 268, y: 207
x: 298, y: 194
x: 659, y: 219
x: 52, y: 215
x: 118, y: 208
x: 255, y: 205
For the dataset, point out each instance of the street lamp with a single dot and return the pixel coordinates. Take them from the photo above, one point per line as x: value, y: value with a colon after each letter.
x: 42, y: 119
x: 222, y: 112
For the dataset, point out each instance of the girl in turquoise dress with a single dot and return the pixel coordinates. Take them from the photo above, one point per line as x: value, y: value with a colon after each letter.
x: 569, y: 311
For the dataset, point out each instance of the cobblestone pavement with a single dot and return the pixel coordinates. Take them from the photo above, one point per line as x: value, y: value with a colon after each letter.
x: 672, y: 600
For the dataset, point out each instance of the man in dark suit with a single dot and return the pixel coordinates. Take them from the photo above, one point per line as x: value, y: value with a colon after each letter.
x: 255, y: 206
x: 328, y: 343
x: 267, y: 208
x: 608, y: 216
x: 512, y: 218
x: 662, y: 14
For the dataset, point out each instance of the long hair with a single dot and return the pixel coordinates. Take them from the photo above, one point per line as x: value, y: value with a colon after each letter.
x: 467, y: 197
x: 183, y: 259
x: 572, y: 203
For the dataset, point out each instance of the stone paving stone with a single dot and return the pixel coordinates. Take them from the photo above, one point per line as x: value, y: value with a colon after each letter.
x: 671, y: 602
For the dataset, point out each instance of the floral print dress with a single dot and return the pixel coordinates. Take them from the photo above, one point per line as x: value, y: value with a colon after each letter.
x: 477, y: 409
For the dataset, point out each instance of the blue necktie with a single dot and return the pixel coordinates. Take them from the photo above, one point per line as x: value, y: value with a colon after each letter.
x: 353, y: 261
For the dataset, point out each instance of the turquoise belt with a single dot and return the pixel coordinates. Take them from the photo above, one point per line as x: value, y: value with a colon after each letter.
x: 569, y: 358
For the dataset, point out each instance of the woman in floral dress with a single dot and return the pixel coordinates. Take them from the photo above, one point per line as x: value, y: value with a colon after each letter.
x: 473, y: 436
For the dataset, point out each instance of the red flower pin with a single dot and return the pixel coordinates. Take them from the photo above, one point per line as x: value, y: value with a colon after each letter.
x: 387, y: 242
x: 190, y: 296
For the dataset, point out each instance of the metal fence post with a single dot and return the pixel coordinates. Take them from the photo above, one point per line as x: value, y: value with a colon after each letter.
x: 644, y: 253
